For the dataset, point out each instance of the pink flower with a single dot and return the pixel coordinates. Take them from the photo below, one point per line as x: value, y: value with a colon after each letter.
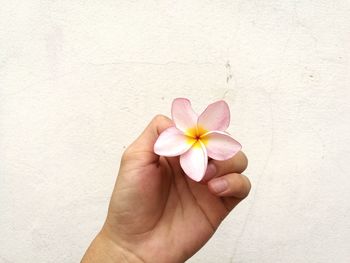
x: 195, y: 138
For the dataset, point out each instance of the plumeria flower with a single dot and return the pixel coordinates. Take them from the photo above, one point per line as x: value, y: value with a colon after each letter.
x: 195, y: 138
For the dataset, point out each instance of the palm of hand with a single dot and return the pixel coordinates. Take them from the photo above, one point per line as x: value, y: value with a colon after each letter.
x: 162, y: 209
x: 156, y: 213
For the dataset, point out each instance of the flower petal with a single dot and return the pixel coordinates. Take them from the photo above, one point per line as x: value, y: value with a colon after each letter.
x: 183, y: 115
x: 220, y: 145
x: 172, y: 142
x: 216, y: 117
x: 194, y: 162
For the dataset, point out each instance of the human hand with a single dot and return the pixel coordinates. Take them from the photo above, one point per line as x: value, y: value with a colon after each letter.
x: 157, y: 213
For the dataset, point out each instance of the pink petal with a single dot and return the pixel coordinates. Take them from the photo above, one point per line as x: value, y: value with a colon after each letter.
x: 220, y: 145
x: 216, y: 117
x: 183, y: 115
x: 194, y: 162
x: 172, y: 142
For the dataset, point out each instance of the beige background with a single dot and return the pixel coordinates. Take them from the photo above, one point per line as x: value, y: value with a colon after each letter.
x: 80, y: 79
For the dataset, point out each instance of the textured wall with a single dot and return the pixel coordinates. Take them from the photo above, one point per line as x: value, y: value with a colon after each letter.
x: 80, y: 79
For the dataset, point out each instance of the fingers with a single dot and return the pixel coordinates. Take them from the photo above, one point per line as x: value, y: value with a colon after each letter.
x: 233, y: 185
x: 236, y: 164
x: 232, y: 188
x: 225, y: 180
x: 145, y: 142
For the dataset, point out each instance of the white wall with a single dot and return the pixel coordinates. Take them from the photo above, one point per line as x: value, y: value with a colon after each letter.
x: 80, y: 79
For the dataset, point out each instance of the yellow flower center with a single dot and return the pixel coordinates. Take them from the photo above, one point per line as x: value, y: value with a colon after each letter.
x: 195, y: 134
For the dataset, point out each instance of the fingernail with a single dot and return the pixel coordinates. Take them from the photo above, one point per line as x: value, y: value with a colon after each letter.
x: 211, y: 171
x: 219, y: 185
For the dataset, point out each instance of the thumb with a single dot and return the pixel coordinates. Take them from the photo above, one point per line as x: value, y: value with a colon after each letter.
x: 143, y: 145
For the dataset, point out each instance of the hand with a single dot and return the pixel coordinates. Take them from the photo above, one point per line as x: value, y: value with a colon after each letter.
x: 158, y: 214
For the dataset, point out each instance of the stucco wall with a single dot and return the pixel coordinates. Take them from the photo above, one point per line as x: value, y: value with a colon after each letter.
x: 80, y: 79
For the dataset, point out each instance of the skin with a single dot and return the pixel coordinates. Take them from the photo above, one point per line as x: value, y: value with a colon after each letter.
x: 157, y: 213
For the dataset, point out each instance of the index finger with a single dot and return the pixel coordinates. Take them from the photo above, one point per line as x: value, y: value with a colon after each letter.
x: 237, y: 164
x: 145, y: 142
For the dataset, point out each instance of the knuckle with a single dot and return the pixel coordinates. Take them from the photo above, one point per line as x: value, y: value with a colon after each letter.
x: 240, y: 186
x: 246, y: 186
x: 126, y: 155
x: 241, y: 162
x: 244, y: 160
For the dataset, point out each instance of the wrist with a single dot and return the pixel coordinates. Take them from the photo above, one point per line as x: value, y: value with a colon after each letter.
x: 104, y: 249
